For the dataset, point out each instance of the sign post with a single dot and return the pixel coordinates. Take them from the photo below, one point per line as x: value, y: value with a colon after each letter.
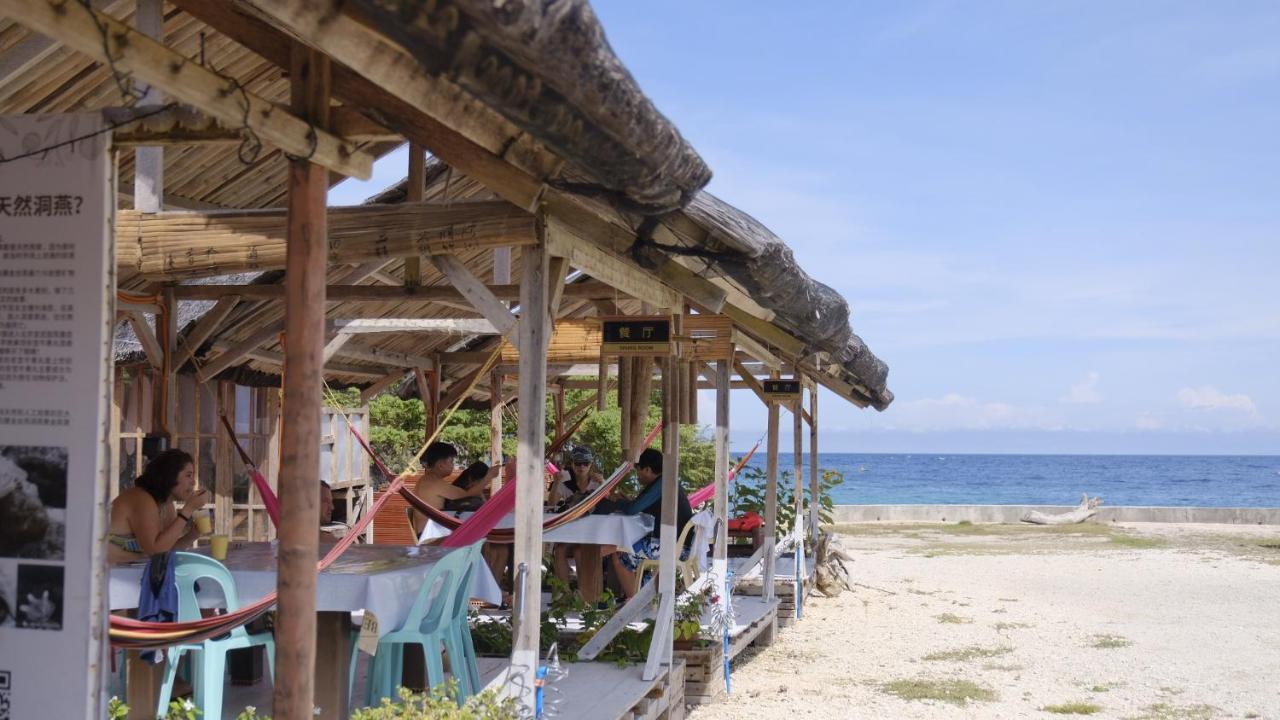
x: 57, y: 291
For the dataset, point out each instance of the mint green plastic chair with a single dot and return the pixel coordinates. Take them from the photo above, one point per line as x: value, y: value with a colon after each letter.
x: 437, y: 618
x: 208, y: 658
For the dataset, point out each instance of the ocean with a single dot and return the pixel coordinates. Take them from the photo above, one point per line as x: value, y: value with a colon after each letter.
x: 1170, y: 480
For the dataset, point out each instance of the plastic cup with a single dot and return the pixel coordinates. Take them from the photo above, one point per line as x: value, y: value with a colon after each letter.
x: 204, y: 523
x: 218, y: 547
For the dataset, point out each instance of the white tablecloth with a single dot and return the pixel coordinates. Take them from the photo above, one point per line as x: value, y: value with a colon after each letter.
x: 617, y: 529
x: 383, y: 579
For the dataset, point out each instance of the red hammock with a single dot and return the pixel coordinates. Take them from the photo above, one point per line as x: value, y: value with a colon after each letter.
x: 703, y: 494
x: 269, y: 498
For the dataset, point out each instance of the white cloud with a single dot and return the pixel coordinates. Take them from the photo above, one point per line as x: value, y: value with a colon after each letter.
x: 954, y: 411
x: 1207, y: 397
x: 1084, y: 392
x: 1149, y: 421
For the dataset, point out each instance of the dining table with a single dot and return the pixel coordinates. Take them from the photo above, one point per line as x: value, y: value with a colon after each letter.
x: 382, y: 580
x: 589, y: 535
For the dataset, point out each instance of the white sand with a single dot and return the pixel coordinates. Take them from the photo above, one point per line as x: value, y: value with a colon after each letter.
x: 1202, y: 614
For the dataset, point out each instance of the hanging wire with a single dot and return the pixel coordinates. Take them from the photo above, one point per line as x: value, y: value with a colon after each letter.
x: 250, y: 146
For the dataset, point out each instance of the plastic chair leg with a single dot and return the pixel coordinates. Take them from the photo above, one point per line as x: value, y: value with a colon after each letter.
x: 469, y: 652
x: 212, y: 677
x: 270, y: 646
x: 171, y: 659
x: 435, y: 664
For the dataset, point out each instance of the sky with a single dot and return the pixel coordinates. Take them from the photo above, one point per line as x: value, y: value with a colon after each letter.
x: 1057, y: 222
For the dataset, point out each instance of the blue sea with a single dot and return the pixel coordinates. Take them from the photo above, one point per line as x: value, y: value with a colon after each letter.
x: 1178, y: 480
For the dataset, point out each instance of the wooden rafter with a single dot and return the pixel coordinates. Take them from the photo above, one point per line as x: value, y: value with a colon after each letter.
x: 147, y: 338
x: 751, y: 381
x: 475, y: 292
x: 451, y: 326
x: 277, y: 359
x: 130, y: 51
x: 757, y: 350
x: 381, y: 384
x: 204, y: 328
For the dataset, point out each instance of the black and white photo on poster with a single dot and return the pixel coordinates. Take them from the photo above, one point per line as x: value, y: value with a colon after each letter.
x: 40, y: 594
x: 33, y: 502
x: 8, y: 590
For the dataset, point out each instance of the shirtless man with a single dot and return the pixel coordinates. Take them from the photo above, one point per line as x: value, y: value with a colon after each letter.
x: 434, y: 484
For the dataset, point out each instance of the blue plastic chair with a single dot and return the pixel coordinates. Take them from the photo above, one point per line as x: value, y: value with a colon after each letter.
x: 208, y: 658
x: 437, y: 618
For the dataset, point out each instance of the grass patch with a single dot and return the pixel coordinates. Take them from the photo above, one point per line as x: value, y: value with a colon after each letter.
x: 1002, y: 626
x: 1165, y: 711
x: 1075, y: 708
x: 1105, y: 687
x: 973, y: 652
x: 1110, y: 642
x: 1002, y: 668
x: 1136, y: 542
x: 953, y: 619
x: 956, y: 692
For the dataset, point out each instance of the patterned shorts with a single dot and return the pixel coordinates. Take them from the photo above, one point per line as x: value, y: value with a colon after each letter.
x: 646, y: 548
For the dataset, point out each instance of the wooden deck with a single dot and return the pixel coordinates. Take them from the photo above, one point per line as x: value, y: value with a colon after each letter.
x: 604, y: 691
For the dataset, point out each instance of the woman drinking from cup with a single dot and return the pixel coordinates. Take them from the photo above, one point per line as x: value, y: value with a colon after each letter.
x: 145, y: 518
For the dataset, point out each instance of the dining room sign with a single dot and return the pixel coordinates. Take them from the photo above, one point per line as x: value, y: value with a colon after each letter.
x: 646, y: 336
x: 781, y: 391
x: 57, y: 284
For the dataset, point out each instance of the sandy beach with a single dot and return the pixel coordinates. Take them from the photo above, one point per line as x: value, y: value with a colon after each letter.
x: 1151, y: 622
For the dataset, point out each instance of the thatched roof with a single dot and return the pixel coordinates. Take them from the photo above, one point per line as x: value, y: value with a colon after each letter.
x: 546, y: 66
x: 762, y: 264
x: 739, y: 250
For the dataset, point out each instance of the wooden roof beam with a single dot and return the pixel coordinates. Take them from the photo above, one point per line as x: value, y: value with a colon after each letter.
x: 172, y: 245
x: 275, y: 358
x: 448, y: 326
x: 130, y: 51
x: 757, y: 350
x: 382, y: 293
x: 187, y: 126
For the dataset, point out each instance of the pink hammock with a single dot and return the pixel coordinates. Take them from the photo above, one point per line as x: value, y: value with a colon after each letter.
x: 269, y: 498
x: 703, y: 494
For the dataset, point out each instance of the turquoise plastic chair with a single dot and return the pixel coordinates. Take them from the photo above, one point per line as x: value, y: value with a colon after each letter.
x: 438, y: 618
x: 208, y: 658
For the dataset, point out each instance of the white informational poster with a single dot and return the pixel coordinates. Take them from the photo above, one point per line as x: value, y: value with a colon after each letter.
x: 57, y: 287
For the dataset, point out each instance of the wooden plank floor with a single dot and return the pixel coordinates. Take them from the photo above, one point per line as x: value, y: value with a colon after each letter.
x: 594, y: 690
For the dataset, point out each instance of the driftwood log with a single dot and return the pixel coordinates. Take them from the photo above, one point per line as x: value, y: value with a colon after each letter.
x: 831, y: 577
x: 1087, y: 508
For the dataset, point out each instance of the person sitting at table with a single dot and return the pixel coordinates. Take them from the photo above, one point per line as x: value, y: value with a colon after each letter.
x: 625, y: 561
x: 329, y: 530
x: 569, y: 487
x: 433, y: 484
x: 477, y: 473
x: 145, y: 519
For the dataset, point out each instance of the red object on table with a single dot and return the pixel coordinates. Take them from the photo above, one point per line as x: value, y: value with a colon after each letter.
x: 748, y: 522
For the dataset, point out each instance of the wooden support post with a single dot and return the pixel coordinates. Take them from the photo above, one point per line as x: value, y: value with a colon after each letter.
x: 720, y: 506
x: 428, y: 402
x: 169, y: 344
x: 558, y: 399
x: 148, y: 162
x: 495, y: 423
x: 303, y: 347
x: 602, y: 384
x: 414, y: 192
x: 224, y: 475
x: 692, y: 384
x: 271, y: 457
x: 771, y: 499
x: 641, y: 388
x: 527, y: 555
x: 433, y: 413
x: 797, y: 531
x: 624, y: 404
x: 661, y: 646
x: 815, y: 505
